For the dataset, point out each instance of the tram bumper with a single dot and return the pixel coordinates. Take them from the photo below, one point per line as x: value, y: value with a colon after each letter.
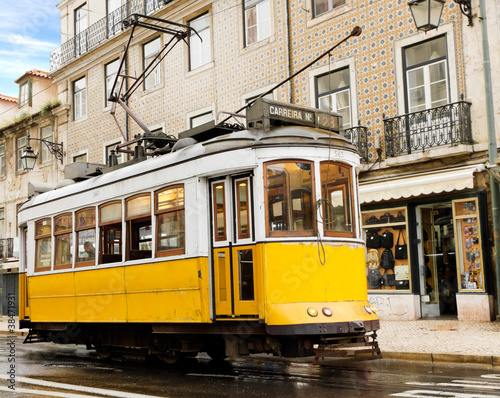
x: 332, y: 328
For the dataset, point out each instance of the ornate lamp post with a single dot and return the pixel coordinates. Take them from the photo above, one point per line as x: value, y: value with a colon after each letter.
x: 28, y: 158
x: 426, y: 13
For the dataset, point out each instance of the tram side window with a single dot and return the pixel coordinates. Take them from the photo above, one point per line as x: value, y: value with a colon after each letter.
x: 219, y: 193
x: 63, y: 234
x: 139, y: 234
x: 169, y: 211
x: 110, y: 225
x: 43, y: 240
x: 289, y: 189
x: 337, y: 199
x: 85, y: 237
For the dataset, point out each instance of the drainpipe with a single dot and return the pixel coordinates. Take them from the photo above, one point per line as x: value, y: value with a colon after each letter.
x: 492, y: 148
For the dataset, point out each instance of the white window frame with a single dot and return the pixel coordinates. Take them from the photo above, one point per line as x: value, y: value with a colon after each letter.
x: 2, y: 160
x: 45, y: 154
x: 107, y: 152
x: 80, y: 25
x: 330, y: 7
x: 21, y: 144
x: 202, y: 118
x: 109, y: 79
x: 79, y: 158
x: 114, y: 17
x: 2, y: 222
x: 24, y: 94
x: 154, y: 78
x: 80, y: 99
x: 200, y: 51
x: 262, y: 21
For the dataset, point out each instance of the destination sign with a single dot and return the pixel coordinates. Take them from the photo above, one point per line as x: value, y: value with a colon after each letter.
x: 290, y: 113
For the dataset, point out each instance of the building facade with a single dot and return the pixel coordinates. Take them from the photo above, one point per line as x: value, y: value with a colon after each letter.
x: 36, y: 115
x: 412, y: 102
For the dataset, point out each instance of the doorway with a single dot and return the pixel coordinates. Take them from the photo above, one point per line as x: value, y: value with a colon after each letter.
x: 438, y: 260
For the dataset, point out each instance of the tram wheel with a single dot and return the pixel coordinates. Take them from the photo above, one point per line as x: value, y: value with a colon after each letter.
x: 170, y: 357
x: 217, y: 350
x: 103, y: 352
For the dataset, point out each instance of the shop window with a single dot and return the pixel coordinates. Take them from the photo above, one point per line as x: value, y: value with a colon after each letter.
x: 200, y: 50
x: 150, y: 51
x: 85, y: 237
x: 169, y: 211
x: 139, y: 233
x: 243, y: 208
x: 219, y: 193
x: 289, y: 197
x: 323, y: 6
x: 257, y: 20
x: 337, y: 199
x: 43, y: 241
x: 63, y: 227
x: 110, y: 225
x: 388, y: 267
x: 333, y: 94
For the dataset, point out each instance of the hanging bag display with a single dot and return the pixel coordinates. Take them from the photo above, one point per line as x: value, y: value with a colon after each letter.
x: 387, y: 239
x: 373, y: 278
x: 401, y: 251
x: 387, y: 259
x: 373, y: 241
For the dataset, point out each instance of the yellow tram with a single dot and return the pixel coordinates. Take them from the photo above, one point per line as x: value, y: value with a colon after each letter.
x: 237, y: 241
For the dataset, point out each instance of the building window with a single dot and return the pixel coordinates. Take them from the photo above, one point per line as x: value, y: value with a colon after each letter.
x: 114, y: 16
x: 43, y: 245
x: 80, y: 158
x: 107, y: 153
x: 289, y: 199
x: 2, y: 223
x: 169, y: 211
x: 79, y: 98
x: 63, y: 227
x: 333, y: 94
x: 257, y: 21
x: 2, y: 159
x: 110, y: 224
x: 139, y: 233
x: 196, y: 121
x: 46, y: 134
x: 25, y: 94
x: 85, y: 237
x: 337, y: 199
x: 81, y: 29
x: 150, y: 50
x: 21, y: 147
x: 322, y: 6
x: 426, y: 73
x: 200, y: 50
x: 110, y: 70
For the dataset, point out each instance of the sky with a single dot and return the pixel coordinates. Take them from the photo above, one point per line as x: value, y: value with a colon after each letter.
x: 29, y: 31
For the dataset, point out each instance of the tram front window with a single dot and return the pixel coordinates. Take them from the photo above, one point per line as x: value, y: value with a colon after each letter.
x: 110, y: 224
x: 289, y: 198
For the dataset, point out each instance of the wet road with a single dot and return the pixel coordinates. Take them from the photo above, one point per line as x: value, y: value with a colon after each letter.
x: 48, y: 370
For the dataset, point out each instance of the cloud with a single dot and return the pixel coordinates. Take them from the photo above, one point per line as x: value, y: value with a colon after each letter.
x: 29, y: 44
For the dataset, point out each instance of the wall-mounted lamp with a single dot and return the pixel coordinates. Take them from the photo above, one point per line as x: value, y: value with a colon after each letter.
x: 427, y: 13
x: 28, y: 158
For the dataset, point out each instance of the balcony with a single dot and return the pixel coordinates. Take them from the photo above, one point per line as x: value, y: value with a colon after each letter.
x: 358, y: 137
x: 6, y: 248
x: 105, y: 28
x: 440, y: 126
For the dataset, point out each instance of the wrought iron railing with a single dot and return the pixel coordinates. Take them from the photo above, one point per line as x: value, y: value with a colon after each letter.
x: 103, y: 29
x: 443, y: 125
x: 6, y: 248
x: 359, y: 137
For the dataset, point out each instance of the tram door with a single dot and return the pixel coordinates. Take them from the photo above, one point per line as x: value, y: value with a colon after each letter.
x: 233, y: 247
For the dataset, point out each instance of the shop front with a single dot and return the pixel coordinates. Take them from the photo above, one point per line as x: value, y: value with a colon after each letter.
x: 427, y: 246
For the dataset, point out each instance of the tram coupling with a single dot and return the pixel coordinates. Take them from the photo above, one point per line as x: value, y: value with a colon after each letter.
x: 358, y: 349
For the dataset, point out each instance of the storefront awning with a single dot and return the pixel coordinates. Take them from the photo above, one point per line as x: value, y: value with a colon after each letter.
x: 418, y: 184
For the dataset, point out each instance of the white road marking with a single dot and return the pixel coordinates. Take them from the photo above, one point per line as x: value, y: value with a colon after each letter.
x: 38, y: 393
x: 439, y: 394
x: 491, y: 376
x: 73, y: 387
x: 459, y: 383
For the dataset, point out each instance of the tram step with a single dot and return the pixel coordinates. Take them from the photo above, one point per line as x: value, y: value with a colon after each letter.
x: 33, y: 337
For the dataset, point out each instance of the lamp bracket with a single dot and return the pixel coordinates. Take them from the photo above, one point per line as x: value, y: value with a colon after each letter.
x: 466, y: 8
x: 54, y: 148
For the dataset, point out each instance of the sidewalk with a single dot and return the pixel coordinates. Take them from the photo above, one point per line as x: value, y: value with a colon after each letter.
x: 425, y: 340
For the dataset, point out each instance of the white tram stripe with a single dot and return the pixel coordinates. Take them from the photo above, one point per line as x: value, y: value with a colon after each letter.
x: 439, y: 394
x: 74, y: 387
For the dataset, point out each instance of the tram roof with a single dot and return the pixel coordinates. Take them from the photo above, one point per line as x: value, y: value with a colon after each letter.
x: 276, y: 136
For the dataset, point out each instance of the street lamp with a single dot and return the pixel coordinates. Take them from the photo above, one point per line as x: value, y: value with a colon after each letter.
x: 28, y: 158
x: 427, y: 13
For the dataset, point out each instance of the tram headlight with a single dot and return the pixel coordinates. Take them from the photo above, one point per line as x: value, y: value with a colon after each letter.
x: 374, y: 310
x: 312, y: 311
x: 368, y: 309
x: 327, y: 311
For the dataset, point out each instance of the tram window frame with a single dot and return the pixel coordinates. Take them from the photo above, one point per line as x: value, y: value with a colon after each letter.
x: 104, y: 232
x: 347, y: 198
x: 46, y: 238
x: 289, y: 210
x: 59, y: 236
x: 178, y: 210
x: 219, y: 224
x: 135, y: 223
x: 81, y: 228
x: 246, y: 208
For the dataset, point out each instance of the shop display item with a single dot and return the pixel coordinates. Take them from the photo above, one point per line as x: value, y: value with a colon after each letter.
x: 401, y: 250
x: 387, y: 239
x: 387, y: 259
x: 373, y: 241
